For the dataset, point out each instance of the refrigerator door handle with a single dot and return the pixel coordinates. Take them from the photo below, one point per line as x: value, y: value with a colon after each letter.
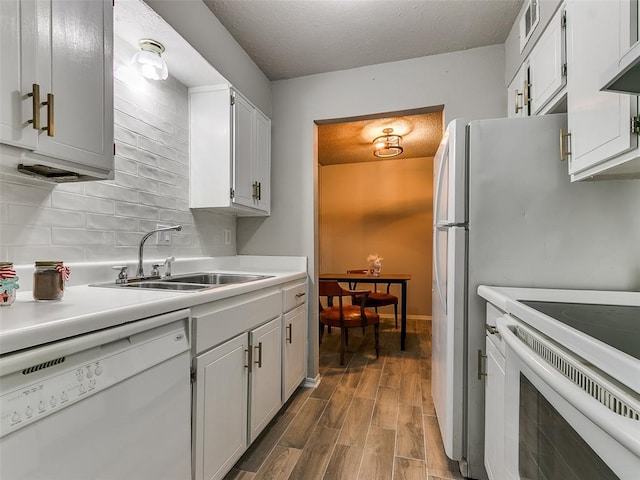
x: 443, y: 301
x: 443, y: 165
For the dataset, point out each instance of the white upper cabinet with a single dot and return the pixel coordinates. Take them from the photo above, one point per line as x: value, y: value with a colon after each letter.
x: 57, y: 101
x: 601, y: 141
x: 547, y: 64
x: 230, y: 158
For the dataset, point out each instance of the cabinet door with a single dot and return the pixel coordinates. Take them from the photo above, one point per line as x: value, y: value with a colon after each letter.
x: 294, y: 361
x: 18, y: 54
x: 266, y: 375
x: 243, y: 152
x: 76, y: 54
x: 599, y: 122
x: 547, y: 64
x: 494, y: 413
x: 263, y: 161
x: 516, y: 100
x: 220, y: 419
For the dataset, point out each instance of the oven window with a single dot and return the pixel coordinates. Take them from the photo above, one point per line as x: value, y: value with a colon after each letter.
x: 549, y: 448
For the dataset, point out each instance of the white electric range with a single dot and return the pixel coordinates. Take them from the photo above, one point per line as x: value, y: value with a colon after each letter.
x: 563, y: 368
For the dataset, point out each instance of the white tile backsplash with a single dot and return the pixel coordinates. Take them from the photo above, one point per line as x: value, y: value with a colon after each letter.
x: 105, y: 221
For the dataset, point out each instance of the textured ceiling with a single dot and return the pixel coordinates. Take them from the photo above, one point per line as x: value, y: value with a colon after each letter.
x: 292, y: 38
x: 351, y: 142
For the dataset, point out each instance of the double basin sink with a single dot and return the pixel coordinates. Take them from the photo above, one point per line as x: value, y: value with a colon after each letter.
x: 191, y: 282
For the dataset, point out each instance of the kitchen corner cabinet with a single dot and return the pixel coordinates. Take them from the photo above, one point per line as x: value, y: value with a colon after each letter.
x: 494, y: 402
x: 230, y: 158
x: 294, y: 327
x: 600, y: 141
x: 56, y: 99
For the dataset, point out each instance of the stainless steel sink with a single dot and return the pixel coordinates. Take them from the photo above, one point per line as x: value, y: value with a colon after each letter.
x: 215, y: 278
x: 191, y: 282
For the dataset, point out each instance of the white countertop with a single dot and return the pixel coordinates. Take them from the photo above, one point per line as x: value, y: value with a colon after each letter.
x: 618, y: 364
x: 83, y: 309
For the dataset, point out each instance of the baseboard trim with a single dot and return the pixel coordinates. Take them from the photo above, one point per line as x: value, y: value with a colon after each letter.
x: 311, y: 382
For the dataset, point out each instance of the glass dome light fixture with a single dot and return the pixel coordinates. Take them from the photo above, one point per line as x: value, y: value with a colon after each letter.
x: 387, y: 145
x: 148, y: 60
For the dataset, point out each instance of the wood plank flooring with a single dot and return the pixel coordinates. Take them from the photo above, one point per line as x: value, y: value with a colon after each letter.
x: 370, y: 419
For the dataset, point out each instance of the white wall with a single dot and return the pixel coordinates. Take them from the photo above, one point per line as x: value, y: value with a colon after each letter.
x: 199, y: 26
x: 94, y: 221
x: 469, y: 84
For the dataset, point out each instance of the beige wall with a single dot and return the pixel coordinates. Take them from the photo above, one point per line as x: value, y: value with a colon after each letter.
x: 382, y: 207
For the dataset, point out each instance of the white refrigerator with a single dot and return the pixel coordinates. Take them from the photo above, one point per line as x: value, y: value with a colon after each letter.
x: 506, y: 214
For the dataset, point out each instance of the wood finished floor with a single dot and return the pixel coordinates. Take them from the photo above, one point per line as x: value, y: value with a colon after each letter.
x: 370, y: 419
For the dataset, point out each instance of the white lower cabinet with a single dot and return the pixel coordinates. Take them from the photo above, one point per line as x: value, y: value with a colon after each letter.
x: 295, y: 340
x: 220, y: 408
x: 241, y: 369
x: 265, y: 375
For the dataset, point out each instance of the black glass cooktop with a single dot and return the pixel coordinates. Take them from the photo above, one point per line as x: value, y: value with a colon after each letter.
x: 615, y: 325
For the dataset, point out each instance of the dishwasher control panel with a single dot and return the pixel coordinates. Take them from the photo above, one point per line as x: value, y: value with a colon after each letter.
x: 33, y: 401
x: 41, y: 389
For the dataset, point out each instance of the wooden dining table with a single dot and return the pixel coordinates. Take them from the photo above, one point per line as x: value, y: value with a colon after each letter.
x: 398, y: 278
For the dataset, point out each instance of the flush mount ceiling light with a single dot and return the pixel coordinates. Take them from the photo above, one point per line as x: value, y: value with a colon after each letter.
x: 387, y: 145
x: 148, y: 60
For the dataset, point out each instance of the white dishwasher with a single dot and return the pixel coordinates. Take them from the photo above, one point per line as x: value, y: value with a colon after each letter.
x: 114, y: 404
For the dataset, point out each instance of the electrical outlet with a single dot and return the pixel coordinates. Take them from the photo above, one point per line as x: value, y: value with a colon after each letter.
x: 227, y: 236
x: 163, y: 238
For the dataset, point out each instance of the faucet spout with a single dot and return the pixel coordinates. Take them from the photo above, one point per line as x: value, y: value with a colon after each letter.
x: 140, y: 271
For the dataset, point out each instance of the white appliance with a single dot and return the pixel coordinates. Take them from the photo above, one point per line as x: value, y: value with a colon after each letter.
x: 505, y: 213
x: 570, y: 397
x: 114, y: 404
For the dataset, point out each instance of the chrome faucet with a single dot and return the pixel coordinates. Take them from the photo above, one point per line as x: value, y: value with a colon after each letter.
x: 140, y: 271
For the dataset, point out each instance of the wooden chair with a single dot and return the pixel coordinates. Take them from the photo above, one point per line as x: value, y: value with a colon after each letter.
x: 375, y: 299
x: 345, y: 316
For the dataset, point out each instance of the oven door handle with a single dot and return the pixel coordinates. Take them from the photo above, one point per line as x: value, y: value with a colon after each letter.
x: 623, y: 429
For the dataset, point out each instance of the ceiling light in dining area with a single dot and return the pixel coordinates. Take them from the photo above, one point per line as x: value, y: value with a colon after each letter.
x: 148, y: 60
x: 387, y: 145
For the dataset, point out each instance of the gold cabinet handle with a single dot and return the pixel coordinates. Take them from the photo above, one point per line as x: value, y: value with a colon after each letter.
x: 259, y: 361
x: 50, y: 124
x: 480, y: 372
x: 526, y: 100
x: 289, y: 330
x: 254, y: 190
x: 248, y: 364
x: 565, y: 152
x: 517, y: 94
x: 35, y: 105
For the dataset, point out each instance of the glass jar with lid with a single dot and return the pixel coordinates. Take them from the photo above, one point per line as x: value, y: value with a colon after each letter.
x: 8, y: 284
x: 48, y: 280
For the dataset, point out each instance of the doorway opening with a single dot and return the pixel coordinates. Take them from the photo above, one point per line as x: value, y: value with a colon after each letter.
x: 369, y: 205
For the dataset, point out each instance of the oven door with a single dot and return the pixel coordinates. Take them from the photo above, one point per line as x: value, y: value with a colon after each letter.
x: 564, y: 421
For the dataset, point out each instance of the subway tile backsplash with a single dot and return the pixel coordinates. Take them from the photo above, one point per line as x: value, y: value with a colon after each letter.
x: 98, y: 221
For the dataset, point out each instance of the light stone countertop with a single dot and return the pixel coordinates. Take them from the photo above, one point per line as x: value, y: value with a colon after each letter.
x: 84, y: 309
